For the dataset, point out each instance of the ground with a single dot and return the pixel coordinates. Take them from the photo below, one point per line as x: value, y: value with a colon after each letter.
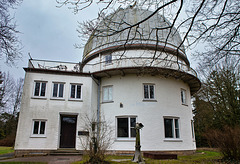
x: 201, y: 156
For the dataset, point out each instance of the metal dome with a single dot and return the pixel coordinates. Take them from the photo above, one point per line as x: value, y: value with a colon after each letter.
x: 150, y: 34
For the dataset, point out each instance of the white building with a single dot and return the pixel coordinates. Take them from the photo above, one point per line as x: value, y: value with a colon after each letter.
x: 139, y: 75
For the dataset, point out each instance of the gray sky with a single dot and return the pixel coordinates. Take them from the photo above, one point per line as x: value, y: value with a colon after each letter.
x: 47, y: 33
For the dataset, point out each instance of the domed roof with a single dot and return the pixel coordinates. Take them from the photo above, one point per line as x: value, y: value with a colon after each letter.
x: 123, y: 28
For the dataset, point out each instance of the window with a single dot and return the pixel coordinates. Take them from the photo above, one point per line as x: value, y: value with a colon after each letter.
x: 171, y: 126
x: 107, y: 94
x: 183, y: 96
x: 40, y: 89
x: 108, y: 59
x: 192, y: 127
x: 75, y: 91
x: 39, y: 127
x: 126, y: 127
x: 148, y: 91
x: 58, y: 90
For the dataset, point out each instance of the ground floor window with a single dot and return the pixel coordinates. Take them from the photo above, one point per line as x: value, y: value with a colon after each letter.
x: 126, y: 127
x: 171, y: 127
x: 39, y: 127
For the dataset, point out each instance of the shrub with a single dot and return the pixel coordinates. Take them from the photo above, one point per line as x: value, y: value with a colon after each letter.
x: 8, y: 141
x: 227, y: 140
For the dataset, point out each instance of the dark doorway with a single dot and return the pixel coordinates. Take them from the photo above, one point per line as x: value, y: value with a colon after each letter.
x: 68, y: 131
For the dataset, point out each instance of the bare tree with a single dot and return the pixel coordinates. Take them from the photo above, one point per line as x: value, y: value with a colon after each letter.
x: 1, y: 90
x: 11, y: 93
x: 17, y: 96
x: 8, y: 86
x: 98, y: 139
x: 10, y: 47
x: 215, y: 23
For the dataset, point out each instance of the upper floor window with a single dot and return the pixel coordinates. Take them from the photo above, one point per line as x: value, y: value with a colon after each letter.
x: 192, y: 127
x: 126, y: 127
x: 171, y: 126
x: 58, y: 89
x: 108, y: 59
x: 148, y: 91
x: 183, y: 96
x: 107, y: 94
x: 39, y: 127
x: 40, y: 89
x: 76, y: 91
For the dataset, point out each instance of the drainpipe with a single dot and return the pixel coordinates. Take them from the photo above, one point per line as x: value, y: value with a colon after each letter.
x: 98, y: 107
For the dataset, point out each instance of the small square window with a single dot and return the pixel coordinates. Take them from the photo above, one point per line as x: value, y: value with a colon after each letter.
x: 148, y: 91
x: 108, y: 59
x: 107, y: 94
x: 171, y: 127
x: 183, y: 96
x: 58, y: 89
x: 126, y: 127
x: 39, y: 127
x: 76, y: 90
x: 40, y: 89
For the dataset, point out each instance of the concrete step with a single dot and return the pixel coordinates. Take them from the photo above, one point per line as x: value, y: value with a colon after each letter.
x: 66, y: 152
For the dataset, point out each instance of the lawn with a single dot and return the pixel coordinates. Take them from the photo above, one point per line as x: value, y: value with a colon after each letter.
x: 198, y: 157
x: 5, y: 150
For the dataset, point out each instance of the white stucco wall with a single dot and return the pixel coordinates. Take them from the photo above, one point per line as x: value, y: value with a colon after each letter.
x: 128, y: 90
x: 50, y: 109
x: 138, y: 58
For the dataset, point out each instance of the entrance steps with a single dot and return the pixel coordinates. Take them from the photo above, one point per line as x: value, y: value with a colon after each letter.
x: 66, y: 152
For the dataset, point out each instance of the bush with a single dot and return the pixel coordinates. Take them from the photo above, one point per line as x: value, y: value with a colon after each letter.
x: 8, y: 141
x: 227, y: 140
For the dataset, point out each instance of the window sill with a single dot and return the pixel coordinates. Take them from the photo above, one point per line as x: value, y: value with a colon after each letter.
x: 125, y: 140
x: 149, y: 100
x: 56, y: 98
x: 79, y: 100
x: 184, y: 104
x: 107, y: 64
x: 172, y: 140
x: 107, y: 102
x: 42, y: 98
x: 38, y: 136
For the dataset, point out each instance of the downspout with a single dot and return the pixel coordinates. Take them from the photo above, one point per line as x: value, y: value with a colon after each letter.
x: 98, y: 82
x: 98, y: 107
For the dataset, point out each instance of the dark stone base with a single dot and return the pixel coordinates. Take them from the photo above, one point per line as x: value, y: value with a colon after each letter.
x: 160, y: 155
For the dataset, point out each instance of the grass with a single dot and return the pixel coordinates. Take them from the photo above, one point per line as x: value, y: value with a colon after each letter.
x: 22, y: 162
x: 199, y: 157
x: 5, y: 150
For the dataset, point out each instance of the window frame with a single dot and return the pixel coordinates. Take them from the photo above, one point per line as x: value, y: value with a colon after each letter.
x: 183, y: 96
x: 58, y: 89
x: 174, y: 134
x: 70, y: 91
x: 192, y: 129
x: 129, y: 137
x: 103, y: 93
x: 149, y: 92
x: 40, y: 89
x: 39, y: 128
x: 108, y: 59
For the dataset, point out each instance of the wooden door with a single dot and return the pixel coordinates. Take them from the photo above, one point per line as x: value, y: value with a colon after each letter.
x: 68, y: 131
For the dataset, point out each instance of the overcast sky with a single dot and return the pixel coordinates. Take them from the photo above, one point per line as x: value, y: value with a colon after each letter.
x: 47, y: 33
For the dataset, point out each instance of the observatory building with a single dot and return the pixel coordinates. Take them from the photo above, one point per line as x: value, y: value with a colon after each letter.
x: 132, y: 71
